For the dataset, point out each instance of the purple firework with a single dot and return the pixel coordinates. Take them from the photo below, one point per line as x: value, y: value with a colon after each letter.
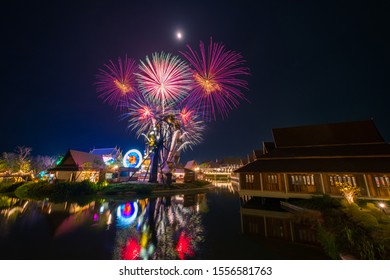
x: 216, y: 74
x: 117, y: 83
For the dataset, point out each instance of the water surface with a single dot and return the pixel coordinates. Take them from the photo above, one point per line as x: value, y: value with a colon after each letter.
x: 212, y: 225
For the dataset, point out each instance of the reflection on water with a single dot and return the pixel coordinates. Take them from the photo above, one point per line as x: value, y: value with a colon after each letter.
x: 154, y: 228
x: 161, y: 228
x: 213, y: 225
x: 230, y: 186
x: 270, y: 221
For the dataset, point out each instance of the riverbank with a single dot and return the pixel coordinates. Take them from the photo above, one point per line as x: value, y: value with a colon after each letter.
x: 69, y: 190
x: 150, y: 189
x: 359, y: 230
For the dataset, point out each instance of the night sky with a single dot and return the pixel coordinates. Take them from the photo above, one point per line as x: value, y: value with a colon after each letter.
x: 310, y: 63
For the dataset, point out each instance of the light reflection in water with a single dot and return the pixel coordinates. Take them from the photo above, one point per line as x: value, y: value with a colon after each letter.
x: 126, y: 214
x: 166, y: 228
x: 155, y: 228
x: 171, y: 227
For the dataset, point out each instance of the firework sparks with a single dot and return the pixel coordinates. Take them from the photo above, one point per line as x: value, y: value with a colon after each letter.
x: 193, y: 128
x: 167, y: 102
x: 165, y: 79
x: 216, y: 74
x: 141, y: 114
x: 117, y: 82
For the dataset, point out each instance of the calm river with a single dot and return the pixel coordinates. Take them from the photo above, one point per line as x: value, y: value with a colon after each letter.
x: 217, y: 224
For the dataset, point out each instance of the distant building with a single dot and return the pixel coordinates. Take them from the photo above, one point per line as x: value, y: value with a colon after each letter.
x: 109, y: 155
x: 220, y: 169
x: 78, y: 166
x: 309, y: 160
x: 184, y: 175
x: 191, y: 164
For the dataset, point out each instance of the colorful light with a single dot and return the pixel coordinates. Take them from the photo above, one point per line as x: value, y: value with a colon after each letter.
x: 167, y: 102
x: 218, y: 84
x: 117, y: 83
x: 141, y: 114
x: 108, y: 160
x: 132, y: 250
x: 165, y: 79
x: 183, y: 247
x: 126, y: 214
x: 132, y: 159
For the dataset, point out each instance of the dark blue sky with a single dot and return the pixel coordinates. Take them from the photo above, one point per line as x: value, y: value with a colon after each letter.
x: 310, y: 63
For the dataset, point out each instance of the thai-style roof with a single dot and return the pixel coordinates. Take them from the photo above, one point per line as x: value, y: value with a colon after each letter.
x: 115, y: 152
x: 268, y: 147
x: 342, y: 147
x: 257, y: 154
x: 345, y: 133
x: 191, y: 164
x: 212, y: 164
x: 251, y: 158
x: 231, y: 161
x: 372, y: 165
x: 77, y: 160
x: 244, y: 161
x: 360, y: 150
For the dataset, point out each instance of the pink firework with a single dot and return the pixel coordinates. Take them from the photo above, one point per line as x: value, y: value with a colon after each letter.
x: 142, y: 115
x: 165, y: 79
x: 218, y: 85
x: 117, y: 82
x: 192, y: 127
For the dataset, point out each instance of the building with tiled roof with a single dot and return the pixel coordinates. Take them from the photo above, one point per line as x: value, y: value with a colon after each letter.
x: 78, y: 166
x: 309, y: 160
x: 109, y: 155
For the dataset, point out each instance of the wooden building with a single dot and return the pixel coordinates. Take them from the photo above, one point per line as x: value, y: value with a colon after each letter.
x: 78, y: 166
x: 310, y: 160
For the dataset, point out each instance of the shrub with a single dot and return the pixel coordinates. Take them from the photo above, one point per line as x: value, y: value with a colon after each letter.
x: 33, y: 190
x: 10, y: 187
x: 328, y: 241
x: 57, y: 191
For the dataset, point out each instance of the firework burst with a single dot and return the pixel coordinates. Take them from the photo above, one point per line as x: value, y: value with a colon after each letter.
x: 116, y: 83
x: 193, y: 128
x: 142, y: 115
x: 165, y: 79
x: 167, y: 101
x: 218, y: 85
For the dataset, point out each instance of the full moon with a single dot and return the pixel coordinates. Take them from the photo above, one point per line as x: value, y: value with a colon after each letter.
x: 179, y: 35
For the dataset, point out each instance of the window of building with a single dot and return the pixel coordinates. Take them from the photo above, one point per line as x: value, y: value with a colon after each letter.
x: 272, y: 179
x: 306, y: 180
x: 346, y: 179
x: 382, y: 181
x: 249, y: 178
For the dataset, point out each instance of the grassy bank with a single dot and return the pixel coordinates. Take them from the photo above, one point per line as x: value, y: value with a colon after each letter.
x: 10, y: 187
x: 361, y: 230
x: 68, y: 190
x: 147, y: 188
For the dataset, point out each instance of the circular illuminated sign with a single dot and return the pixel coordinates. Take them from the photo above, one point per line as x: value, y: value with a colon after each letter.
x: 133, y: 158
